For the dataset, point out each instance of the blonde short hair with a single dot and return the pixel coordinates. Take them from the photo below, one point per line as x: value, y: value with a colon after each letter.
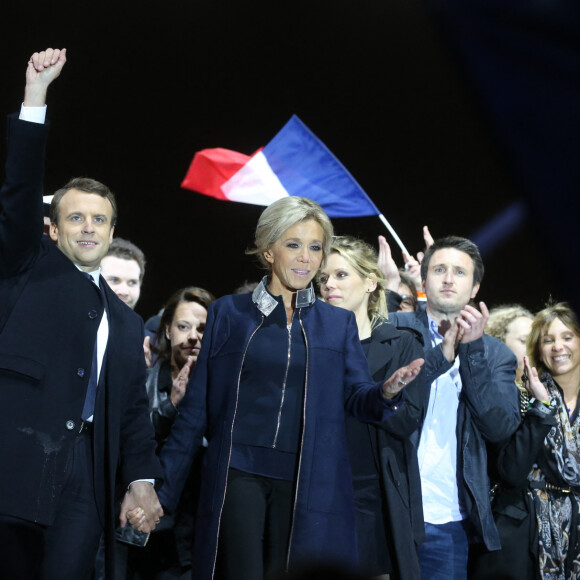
x: 501, y: 317
x: 363, y: 258
x: 282, y: 215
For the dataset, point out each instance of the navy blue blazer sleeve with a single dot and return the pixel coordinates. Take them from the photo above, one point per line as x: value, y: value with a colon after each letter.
x: 364, y: 399
x: 138, y: 459
x: 21, y: 206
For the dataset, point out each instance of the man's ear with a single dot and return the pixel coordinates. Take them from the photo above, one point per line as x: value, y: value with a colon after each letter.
x: 474, y: 291
x: 111, y: 234
x: 53, y: 232
x: 167, y: 336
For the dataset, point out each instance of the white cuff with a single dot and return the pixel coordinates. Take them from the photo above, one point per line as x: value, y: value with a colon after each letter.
x: 151, y: 481
x: 33, y: 114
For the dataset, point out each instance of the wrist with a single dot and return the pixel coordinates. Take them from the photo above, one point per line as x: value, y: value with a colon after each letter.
x: 35, y: 95
x: 449, y: 353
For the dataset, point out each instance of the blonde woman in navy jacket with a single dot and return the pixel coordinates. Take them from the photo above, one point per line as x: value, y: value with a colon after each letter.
x: 276, y: 371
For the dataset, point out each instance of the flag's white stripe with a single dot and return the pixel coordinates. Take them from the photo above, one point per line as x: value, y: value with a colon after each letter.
x: 254, y: 183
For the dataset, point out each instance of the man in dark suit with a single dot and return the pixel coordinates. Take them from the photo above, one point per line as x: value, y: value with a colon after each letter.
x: 471, y: 400
x: 73, y: 405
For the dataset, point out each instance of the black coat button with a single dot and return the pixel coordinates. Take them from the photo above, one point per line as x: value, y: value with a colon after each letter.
x: 70, y: 425
x: 81, y: 372
x: 93, y: 314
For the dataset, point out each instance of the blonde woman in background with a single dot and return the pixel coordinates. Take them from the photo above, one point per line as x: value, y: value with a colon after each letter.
x: 386, y: 481
x: 511, y: 324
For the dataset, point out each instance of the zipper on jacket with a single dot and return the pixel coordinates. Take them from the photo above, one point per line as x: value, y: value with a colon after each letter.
x: 275, y: 442
x: 231, y: 439
x: 297, y: 487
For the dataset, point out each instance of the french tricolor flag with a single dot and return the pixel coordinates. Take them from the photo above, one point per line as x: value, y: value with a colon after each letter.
x: 295, y: 162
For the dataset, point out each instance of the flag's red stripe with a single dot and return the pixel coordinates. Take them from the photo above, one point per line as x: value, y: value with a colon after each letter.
x: 211, y: 168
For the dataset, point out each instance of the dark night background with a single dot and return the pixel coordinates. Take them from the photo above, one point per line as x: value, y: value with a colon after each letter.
x: 448, y: 113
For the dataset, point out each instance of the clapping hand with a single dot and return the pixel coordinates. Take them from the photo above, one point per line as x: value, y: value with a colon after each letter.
x: 401, y: 378
x: 533, y: 384
x: 179, y: 385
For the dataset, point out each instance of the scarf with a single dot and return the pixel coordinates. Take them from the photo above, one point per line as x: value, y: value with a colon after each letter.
x: 557, y: 511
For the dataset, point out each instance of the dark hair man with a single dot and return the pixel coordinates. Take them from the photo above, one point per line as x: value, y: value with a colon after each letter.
x: 123, y: 268
x: 73, y: 405
x: 471, y: 400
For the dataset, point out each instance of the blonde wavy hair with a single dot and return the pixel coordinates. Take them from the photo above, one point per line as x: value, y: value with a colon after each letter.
x: 363, y: 258
x: 501, y: 317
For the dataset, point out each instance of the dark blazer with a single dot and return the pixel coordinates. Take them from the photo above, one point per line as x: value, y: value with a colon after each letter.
x: 513, y: 503
x: 337, y: 377
x: 49, y: 316
x: 488, y: 412
x: 389, y: 509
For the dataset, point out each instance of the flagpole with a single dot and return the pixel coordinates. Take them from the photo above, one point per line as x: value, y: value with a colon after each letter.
x: 394, y: 234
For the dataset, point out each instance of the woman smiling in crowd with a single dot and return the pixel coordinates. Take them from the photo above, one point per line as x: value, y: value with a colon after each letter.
x: 537, y: 508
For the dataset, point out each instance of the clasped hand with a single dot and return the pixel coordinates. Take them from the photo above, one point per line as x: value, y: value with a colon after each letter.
x: 140, y: 507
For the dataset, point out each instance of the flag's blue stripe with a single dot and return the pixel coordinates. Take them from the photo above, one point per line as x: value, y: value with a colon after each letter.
x: 306, y: 168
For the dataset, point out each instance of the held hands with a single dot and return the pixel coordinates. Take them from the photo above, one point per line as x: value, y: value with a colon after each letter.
x: 179, y: 385
x: 43, y: 68
x: 401, y: 378
x: 140, y: 507
x: 533, y: 384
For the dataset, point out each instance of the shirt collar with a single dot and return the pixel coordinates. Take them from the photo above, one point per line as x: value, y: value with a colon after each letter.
x: 266, y: 303
x: 434, y: 330
x: 95, y: 274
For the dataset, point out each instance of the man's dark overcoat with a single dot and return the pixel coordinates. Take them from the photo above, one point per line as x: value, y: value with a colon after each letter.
x: 49, y: 316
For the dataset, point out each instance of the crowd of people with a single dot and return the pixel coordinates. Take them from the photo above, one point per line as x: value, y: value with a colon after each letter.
x: 340, y: 418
